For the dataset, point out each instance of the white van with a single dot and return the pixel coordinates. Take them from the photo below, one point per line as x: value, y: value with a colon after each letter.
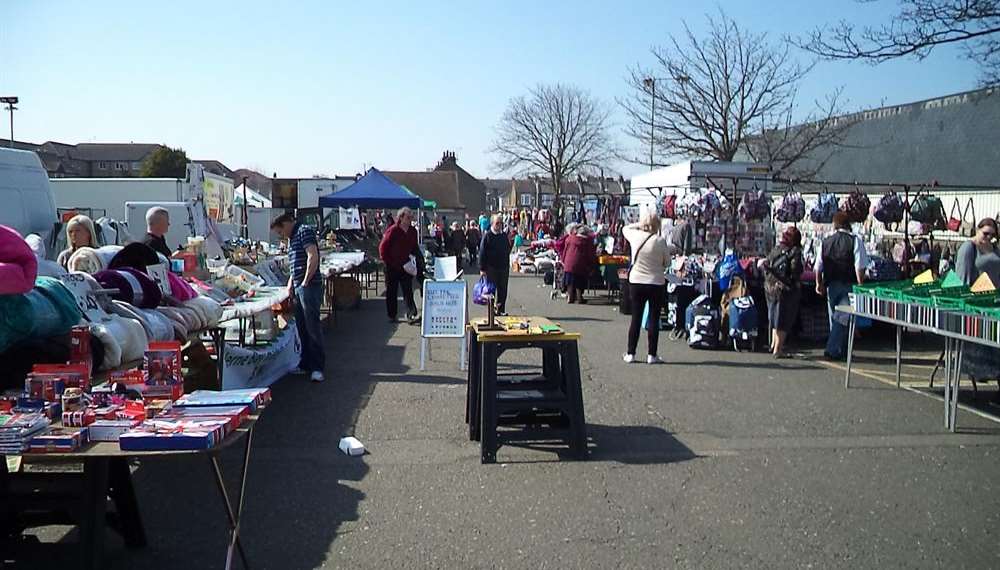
x: 25, y: 195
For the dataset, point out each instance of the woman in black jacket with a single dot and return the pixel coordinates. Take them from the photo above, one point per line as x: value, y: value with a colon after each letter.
x: 494, y: 260
x: 782, y: 288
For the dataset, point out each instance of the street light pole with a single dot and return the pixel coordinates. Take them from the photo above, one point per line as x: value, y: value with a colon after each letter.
x: 246, y: 221
x: 650, y: 83
x: 10, y: 102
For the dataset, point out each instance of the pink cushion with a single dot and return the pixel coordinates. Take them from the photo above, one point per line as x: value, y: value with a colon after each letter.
x: 18, y: 264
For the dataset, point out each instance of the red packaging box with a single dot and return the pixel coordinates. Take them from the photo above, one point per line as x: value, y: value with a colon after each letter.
x: 79, y: 347
x: 79, y: 418
x: 45, y: 387
x: 162, y: 364
x: 75, y: 375
x: 131, y: 378
x: 133, y: 410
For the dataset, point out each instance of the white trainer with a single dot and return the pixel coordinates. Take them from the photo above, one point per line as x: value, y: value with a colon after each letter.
x: 317, y: 376
x: 628, y: 358
x: 653, y: 359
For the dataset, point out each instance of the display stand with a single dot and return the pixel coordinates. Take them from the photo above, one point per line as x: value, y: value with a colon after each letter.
x: 444, y: 314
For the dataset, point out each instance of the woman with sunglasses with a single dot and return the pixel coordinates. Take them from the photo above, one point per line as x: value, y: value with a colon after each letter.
x: 980, y: 255
x: 977, y: 256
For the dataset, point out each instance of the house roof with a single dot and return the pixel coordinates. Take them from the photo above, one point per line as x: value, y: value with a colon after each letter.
x: 216, y: 167
x: 113, y: 151
x: 440, y: 186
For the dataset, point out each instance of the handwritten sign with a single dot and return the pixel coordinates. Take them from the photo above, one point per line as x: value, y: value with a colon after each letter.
x: 85, y: 297
x: 158, y: 273
x: 445, y: 309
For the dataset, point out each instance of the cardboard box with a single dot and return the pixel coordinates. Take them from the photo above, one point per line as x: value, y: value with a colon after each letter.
x: 79, y: 418
x: 59, y: 440
x: 74, y: 374
x: 162, y: 364
x: 110, y: 430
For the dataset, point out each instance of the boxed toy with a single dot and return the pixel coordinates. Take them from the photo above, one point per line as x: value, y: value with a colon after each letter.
x: 173, y: 435
x: 110, y: 430
x: 233, y: 415
x: 79, y: 347
x: 162, y: 364
x: 73, y: 375
x: 45, y: 387
x: 58, y: 440
x: 133, y: 378
x: 79, y: 418
x: 253, y: 397
x: 133, y: 410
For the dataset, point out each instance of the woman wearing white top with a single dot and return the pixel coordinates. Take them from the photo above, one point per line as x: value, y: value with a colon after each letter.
x: 650, y: 257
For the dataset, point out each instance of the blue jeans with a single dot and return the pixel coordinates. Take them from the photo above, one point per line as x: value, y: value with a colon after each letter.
x: 836, y: 294
x: 308, y: 300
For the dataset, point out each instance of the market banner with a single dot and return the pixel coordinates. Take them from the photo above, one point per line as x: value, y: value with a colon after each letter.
x: 256, y: 367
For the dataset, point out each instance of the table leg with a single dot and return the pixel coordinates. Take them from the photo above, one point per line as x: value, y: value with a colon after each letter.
x: 123, y: 494
x: 958, y: 381
x: 488, y: 397
x: 218, y: 335
x: 899, y: 356
x: 850, y: 349
x: 475, y: 385
x: 234, y: 517
x: 947, y: 381
x: 93, y: 511
x: 574, y: 382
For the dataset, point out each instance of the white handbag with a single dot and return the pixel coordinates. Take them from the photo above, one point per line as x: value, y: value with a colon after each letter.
x: 411, y: 266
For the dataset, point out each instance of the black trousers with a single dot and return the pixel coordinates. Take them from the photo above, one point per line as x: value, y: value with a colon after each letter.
x: 642, y: 294
x: 499, y: 278
x: 394, y: 280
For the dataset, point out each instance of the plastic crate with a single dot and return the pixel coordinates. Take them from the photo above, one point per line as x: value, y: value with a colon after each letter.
x: 892, y: 289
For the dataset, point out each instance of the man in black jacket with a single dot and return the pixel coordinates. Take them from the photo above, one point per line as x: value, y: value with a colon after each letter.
x: 494, y: 260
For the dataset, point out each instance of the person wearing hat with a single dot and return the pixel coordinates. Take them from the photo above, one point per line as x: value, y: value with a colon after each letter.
x: 782, y: 287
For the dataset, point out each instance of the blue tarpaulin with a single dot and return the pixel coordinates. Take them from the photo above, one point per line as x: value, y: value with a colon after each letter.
x: 373, y: 190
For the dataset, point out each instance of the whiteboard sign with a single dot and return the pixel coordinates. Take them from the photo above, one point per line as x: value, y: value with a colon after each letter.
x: 445, y: 309
x: 84, y: 295
x: 158, y: 273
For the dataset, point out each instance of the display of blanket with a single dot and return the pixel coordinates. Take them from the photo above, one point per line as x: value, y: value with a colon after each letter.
x: 47, y: 310
x: 134, y: 287
x: 180, y: 289
x: 137, y: 256
x: 157, y: 326
x: 18, y: 265
x: 90, y: 260
x: 124, y: 340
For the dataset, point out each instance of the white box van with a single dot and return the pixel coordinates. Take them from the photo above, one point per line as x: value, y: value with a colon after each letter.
x: 25, y: 195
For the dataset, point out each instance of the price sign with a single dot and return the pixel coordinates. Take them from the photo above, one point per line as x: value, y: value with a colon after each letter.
x: 158, y: 273
x: 86, y: 300
x: 445, y: 309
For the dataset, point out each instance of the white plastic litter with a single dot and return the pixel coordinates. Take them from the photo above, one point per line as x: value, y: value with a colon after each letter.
x: 351, y: 446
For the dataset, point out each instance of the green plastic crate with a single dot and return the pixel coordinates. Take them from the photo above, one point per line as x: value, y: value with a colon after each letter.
x: 892, y: 289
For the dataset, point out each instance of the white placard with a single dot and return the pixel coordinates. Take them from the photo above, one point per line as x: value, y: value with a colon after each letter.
x: 158, y: 273
x: 445, y: 309
x: 445, y: 268
x: 85, y: 297
x: 350, y: 219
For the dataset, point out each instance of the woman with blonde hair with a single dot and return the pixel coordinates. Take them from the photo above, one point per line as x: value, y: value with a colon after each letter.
x: 646, y: 278
x: 80, y: 232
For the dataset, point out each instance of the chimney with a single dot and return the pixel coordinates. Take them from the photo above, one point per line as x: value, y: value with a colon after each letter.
x: 448, y: 161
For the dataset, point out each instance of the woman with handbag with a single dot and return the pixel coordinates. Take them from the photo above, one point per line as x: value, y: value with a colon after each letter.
x: 397, y: 252
x: 782, y: 287
x: 646, y: 278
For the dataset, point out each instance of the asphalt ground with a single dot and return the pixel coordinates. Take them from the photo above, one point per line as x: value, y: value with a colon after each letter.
x: 715, y: 459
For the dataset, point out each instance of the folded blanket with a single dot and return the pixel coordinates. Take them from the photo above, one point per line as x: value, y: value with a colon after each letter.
x: 134, y: 287
x: 211, y: 310
x: 18, y: 264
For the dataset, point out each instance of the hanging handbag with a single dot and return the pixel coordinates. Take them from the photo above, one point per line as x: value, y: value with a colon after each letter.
x: 856, y: 206
x: 927, y: 209
x: 889, y: 209
x: 954, y: 218
x: 670, y: 206
x: 968, y: 226
x: 826, y: 206
x: 792, y: 208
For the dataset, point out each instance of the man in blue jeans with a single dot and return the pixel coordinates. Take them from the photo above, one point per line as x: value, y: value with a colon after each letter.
x: 840, y: 263
x: 305, y: 287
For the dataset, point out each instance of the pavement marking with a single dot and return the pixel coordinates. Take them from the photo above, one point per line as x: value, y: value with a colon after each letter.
x: 892, y: 382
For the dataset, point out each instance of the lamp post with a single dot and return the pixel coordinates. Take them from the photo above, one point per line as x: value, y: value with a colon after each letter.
x: 650, y: 83
x: 246, y: 220
x: 10, y: 102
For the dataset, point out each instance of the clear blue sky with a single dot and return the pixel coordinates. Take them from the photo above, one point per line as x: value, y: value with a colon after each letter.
x: 301, y: 88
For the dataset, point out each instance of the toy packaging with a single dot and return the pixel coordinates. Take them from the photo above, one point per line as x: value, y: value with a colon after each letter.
x: 162, y: 364
x: 58, y: 440
x: 161, y: 434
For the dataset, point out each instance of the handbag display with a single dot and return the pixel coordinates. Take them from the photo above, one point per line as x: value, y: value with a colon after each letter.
x: 826, y: 206
x: 954, y: 218
x: 927, y: 209
x: 856, y: 206
x: 968, y: 226
x: 669, y: 206
x: 792, y: 208
x: 889, y: 209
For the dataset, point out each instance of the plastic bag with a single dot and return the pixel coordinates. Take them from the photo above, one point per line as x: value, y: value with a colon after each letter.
x: 481, y: 290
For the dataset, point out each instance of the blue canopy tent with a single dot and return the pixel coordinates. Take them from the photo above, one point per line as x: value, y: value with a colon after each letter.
x: 373, y: 190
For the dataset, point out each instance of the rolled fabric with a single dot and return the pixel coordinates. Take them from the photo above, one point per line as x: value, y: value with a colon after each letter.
x: 136, y: 255
x: 18, y: 264
x: 211, y: 310
x: 112, y: 348
x: 159, y: 324
x: 123, y: 309
x: 134, y: 287
x: 136, y: 340
x: 179, y: 288
x: 90, y: 260
x: 176, y: 320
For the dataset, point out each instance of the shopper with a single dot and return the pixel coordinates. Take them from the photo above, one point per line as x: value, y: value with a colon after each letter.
x: 79, y: 233
x: 782, y: 287
x: 305, y: 286
x: 456, y: 243
x: 840, y: 263
x: 157, y: 224
x: 580, y: 259
x: 395, y: 249
x: 980, y: 254
x: 472, y: 237
x: 646, y: 277
x: 494, y: 260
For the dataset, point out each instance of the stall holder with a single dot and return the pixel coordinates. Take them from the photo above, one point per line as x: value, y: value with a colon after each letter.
x: 956, y: 329
x: 555, y: 399
x: 106, y: 473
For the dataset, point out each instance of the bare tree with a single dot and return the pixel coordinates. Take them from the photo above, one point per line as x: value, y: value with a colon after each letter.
x: 919, y: 27
x: 558, y: 130
x: 730, y: 92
